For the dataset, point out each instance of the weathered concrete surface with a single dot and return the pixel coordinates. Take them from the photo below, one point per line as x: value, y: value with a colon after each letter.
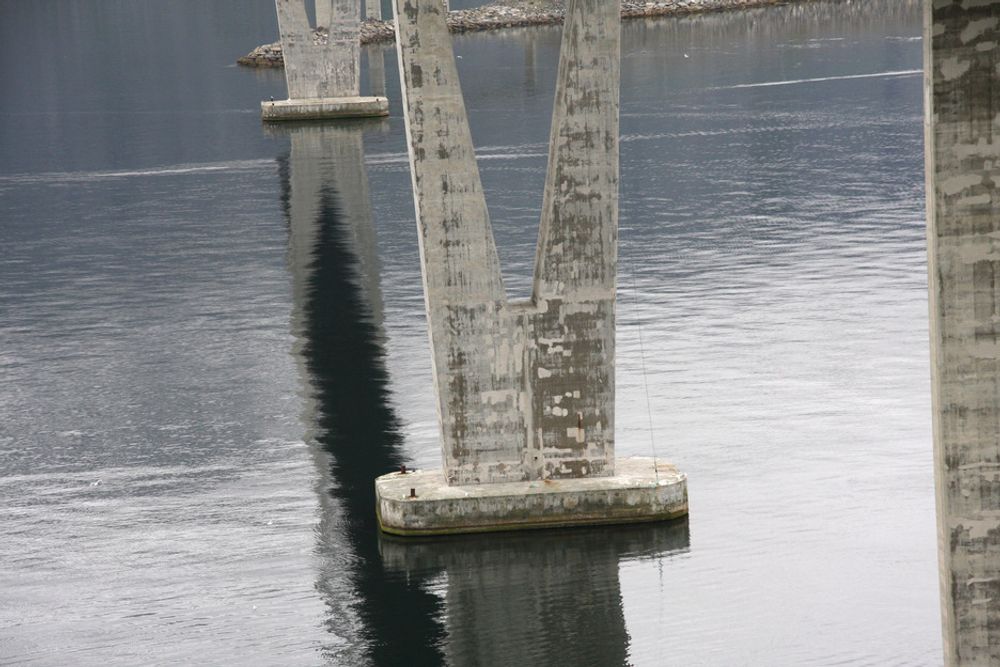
x: 322, y: 74
x: 376, y: 70
x: 376, y: 57
x: 323, y: 12
x: 317, y: 69
x: 962, y: 49
x: 634, y: 494
x: 525, y: 390
x: 341, y: 107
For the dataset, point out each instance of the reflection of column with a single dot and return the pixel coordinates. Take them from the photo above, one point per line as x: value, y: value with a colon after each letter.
x: 530, y: 66
x: 962, y: 42
x: 327, y: 166
x: 555, y: 594
x: 350, y: 427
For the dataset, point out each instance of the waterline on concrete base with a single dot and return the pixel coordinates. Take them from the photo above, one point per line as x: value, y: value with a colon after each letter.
x: 323, y: 108
x: 422, y: 502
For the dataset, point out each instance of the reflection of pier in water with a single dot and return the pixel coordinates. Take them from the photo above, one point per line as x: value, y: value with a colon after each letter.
x: 556, y: 592
x: 560, y: 588
x: 350, y: 426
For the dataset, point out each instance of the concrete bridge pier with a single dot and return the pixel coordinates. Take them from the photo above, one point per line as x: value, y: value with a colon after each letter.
x: 322, y: 76
x: 962, y: 132
x: 525, y: 389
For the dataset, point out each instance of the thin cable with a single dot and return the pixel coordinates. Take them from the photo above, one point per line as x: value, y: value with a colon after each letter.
x: 645, y: 381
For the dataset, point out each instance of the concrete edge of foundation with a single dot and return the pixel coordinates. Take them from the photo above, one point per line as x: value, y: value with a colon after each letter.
x: 635, y: 494
x: 325, y: 108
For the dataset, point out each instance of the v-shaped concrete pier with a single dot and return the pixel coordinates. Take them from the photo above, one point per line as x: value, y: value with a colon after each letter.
x: 525, y: 389
x: 322, y: 76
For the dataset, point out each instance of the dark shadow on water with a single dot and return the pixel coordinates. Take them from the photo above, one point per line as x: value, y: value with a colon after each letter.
x: 350, y: 420
x: 535, y: 598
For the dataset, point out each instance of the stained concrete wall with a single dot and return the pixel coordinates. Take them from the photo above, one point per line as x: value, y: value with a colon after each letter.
x: 323, y: 12
x: 525, y: 390
x: 376, y: 57
x: 313, y: 69
x: 962, y: 48
x: 376, y: 70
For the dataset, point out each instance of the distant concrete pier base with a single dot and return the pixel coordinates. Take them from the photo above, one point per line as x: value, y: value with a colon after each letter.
x: 423, y: 503
x: 322, y: 76
x: 318, y: 109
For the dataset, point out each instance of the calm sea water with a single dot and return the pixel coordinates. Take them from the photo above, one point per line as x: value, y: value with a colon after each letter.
x: 212, y: 339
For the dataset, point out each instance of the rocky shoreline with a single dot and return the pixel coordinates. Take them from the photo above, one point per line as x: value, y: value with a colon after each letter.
x: 512, y: 14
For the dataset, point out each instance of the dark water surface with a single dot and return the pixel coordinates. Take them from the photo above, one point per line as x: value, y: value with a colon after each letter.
x: 212, y: 339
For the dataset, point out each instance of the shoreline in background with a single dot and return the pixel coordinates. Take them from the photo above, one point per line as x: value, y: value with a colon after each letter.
x: 513, y: 14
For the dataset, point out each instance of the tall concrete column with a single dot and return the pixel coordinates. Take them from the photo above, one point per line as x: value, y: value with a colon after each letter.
x: 573, y: 330
x: 376, y: 70
x: 376, y: 56
x: 322, y: 74
x: 324, y: 12
x: 525, y: 389
x: 962, y: 86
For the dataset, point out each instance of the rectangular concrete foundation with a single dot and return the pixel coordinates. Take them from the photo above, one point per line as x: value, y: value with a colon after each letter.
x: 634, y: 494
x: 318, y: 109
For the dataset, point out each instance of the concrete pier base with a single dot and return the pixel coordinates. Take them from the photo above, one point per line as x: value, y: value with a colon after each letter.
x: 422, y: 502
x: 322, y: 108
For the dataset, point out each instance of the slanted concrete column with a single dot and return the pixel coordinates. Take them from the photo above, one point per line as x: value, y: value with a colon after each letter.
x: 525, y: 390
x: 477, y: 343
x: 962, y: 84
x: 572, y: 351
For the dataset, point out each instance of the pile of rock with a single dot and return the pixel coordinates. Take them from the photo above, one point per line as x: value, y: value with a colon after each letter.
x: 631, y: 9
x: 269, y: 55
x: 507, y: 14
x: 510, y: 14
